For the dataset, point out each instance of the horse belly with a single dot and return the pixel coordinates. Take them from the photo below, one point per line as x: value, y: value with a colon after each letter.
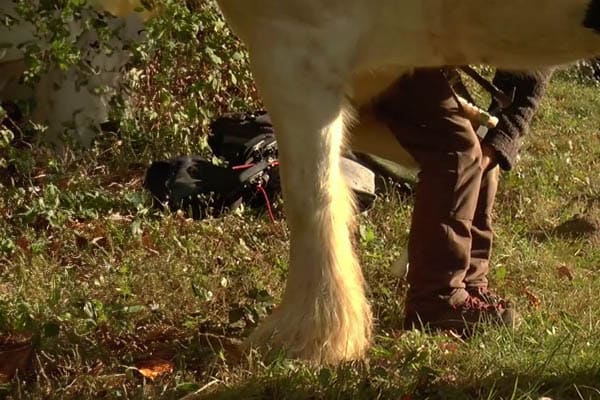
x: 517, y: 34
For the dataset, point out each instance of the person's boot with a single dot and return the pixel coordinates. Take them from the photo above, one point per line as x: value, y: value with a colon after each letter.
x: 464, y: 318
x: 489, y: 296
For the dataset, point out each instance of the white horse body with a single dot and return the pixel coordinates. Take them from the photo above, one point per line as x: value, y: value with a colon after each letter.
x: 308, y: 57
x: 509, y: 34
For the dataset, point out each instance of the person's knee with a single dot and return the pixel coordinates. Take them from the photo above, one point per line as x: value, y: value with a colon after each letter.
x: 466, y: 145
x: 460, y: 155
x: 468, y: 171
x: 471, y: 157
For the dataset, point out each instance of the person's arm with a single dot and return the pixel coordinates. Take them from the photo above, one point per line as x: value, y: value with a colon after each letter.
x: 505, y: 139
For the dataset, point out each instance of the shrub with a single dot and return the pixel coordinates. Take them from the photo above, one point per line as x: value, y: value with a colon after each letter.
x: 186, y: 68
x: 189, y: 69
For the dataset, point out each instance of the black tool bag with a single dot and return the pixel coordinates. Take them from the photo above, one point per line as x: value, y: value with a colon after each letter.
x: 194, y: 185
x: 201, y: 189
x: 247, y: 143
x: 243, y: 138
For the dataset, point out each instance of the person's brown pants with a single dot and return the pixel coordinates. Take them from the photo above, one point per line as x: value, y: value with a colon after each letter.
x: 451, y: 234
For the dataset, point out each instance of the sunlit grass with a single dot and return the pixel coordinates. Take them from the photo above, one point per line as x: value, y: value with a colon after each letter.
x: 102, y: 281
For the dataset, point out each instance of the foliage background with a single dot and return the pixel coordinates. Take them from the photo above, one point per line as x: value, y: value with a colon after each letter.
x: 188, y: 69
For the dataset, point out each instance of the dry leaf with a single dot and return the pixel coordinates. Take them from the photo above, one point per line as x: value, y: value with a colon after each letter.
x: 565, y: 272
x: 24, y: 244
x: 16, y: 351
x: 97, y: 229
x: 119, y: 218
x: 181, y: 217
x: 74, y: 224
x: 152, y: 368
x: 91, y: 234
x: 99, y: 241
x: 232, y: 347
x: 534, y: 300
x: 80, y: 241
x: 448, y: 347
x: 148, y: 243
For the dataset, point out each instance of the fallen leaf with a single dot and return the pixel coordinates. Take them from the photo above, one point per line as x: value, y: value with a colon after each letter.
x: 24, y: 244
x: 64, y: 183
x: 81, y: 241
x: 565, y: 272
x: 99, y: 233
x: 100, y: 241
x: 448, y: 347
x: 534, y: 300
x: 16, y: 351
x: 152, y: 368
x: 148, y: 243
x: 119, y: 218
x: 232, y: 347
x: 74, y: 224
x: 91, y: 234
x: 180, y: 215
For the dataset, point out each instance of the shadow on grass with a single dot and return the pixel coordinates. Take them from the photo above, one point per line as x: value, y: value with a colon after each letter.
x: 579, y: 227
x: 584, y: 384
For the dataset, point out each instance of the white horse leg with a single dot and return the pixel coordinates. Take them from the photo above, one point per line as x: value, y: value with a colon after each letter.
x: 370, y: 135
x: 324, y: 315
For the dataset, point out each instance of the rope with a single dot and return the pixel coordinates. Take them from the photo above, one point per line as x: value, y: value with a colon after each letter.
x: 267, y: 202
x: 243, y: 166
x: 260, y: 187
x: 246, y: 166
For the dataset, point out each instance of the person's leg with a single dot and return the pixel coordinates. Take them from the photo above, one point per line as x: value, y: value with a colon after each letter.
x: 476, y: 279
x: 424, y: 116
x: 482, y: 234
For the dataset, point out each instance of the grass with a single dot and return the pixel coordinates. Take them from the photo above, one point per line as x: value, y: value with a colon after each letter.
x: 102, y: 281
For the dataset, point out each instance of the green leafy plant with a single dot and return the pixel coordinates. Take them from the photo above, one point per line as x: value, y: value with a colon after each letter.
x: 188, y: 69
